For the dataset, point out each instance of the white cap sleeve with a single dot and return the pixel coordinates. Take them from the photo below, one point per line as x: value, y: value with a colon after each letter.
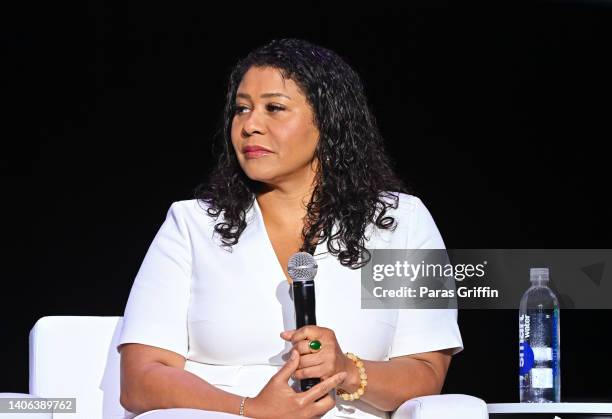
x: 156, y: 311
x: 425, y: 330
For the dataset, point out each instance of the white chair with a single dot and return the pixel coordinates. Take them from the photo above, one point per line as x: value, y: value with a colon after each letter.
x: 75, y: 356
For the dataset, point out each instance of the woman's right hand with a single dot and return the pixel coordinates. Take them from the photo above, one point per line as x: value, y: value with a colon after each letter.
x: 278, y: 400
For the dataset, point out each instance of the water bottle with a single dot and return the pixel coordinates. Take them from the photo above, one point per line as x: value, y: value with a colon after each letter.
x: 539, y: 342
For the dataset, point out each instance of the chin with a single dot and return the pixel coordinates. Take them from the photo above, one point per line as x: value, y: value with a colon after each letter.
x: 260, y: 176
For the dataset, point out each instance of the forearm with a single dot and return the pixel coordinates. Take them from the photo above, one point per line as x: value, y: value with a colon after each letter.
x: 390, y: 383
x: 163, y: 387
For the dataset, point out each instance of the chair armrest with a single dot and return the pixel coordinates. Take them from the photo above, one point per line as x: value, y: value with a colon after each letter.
x: 444, y: 406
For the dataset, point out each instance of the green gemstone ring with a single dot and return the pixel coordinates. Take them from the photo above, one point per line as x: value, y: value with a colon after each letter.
x: 315, y: 345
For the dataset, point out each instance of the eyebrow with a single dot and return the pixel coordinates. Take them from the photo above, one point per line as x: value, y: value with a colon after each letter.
x: 265, y: 95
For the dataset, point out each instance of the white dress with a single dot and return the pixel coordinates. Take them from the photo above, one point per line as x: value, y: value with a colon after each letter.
x: 223, y: 311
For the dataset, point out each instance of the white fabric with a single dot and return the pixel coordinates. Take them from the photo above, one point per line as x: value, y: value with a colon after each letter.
x: 223, y: 311
x: 184, y: 413
x: 447, y: 406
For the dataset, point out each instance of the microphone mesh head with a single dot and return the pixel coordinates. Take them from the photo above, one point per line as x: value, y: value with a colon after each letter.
x: 302, y: 266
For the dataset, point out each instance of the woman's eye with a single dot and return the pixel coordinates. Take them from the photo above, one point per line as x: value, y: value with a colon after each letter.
x: 239, y: 109
x: 274, y: 108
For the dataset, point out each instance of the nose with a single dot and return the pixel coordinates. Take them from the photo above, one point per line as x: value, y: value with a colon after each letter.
x: 252, y: 123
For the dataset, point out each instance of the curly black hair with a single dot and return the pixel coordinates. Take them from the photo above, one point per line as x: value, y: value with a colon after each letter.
x: 355, y: 180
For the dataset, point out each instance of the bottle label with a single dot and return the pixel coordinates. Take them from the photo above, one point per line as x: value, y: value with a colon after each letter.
x: 526, y: 358
x: 542, y: 378
x: 542, y: 353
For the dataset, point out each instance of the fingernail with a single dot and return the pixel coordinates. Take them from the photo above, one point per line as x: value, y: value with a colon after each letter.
x: 293, y: 355
x: 343, y: 375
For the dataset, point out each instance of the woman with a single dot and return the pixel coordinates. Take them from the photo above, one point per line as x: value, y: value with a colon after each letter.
x: 209, y: 323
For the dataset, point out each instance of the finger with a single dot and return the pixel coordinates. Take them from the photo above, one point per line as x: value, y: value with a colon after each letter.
x: 317, y: 371
x: 306, y: 332
x: 303, y: 347
x: 286, y: 335
x: 310, y: 360
x: 285, y: 372
x: 322, y: 388
x: 324, y: 404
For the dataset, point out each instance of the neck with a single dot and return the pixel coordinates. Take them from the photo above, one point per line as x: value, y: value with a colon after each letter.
x: 284, y: 206
x: 285, y: 202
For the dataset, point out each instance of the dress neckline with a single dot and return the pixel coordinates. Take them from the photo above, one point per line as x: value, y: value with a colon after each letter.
x: 260, y: 219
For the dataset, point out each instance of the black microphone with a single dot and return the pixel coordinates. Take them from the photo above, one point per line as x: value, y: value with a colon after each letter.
x: 302, y: 269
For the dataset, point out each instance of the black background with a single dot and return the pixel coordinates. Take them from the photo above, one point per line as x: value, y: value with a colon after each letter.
x: 498, y: 115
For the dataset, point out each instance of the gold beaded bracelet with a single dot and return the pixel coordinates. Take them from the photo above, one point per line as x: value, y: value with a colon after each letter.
x: 244, y: 399
x: 362, y: 376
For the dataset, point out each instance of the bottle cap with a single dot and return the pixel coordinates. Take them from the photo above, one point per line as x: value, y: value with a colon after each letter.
x: 539, y: 274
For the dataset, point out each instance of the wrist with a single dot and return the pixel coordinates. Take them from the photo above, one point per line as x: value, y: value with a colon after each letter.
x: 363, y: 380
x: 242, y: 407
x: 252, y: 408
x: 352, y: 381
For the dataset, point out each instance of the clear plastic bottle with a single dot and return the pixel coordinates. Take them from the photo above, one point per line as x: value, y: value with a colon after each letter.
x: 539, y: 342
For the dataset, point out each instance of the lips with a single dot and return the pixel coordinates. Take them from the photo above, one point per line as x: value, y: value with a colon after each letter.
x: 250, y: 148
x: 255, y: 151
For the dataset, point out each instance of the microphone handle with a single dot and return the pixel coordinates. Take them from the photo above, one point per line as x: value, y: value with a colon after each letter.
x: 304, y: 301
x: 307, y: 383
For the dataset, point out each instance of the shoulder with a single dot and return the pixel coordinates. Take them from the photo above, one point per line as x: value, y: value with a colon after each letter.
x: 414, y: 221
x: 190, y: 205
x: 407, y: 205
x: 191, y: 212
